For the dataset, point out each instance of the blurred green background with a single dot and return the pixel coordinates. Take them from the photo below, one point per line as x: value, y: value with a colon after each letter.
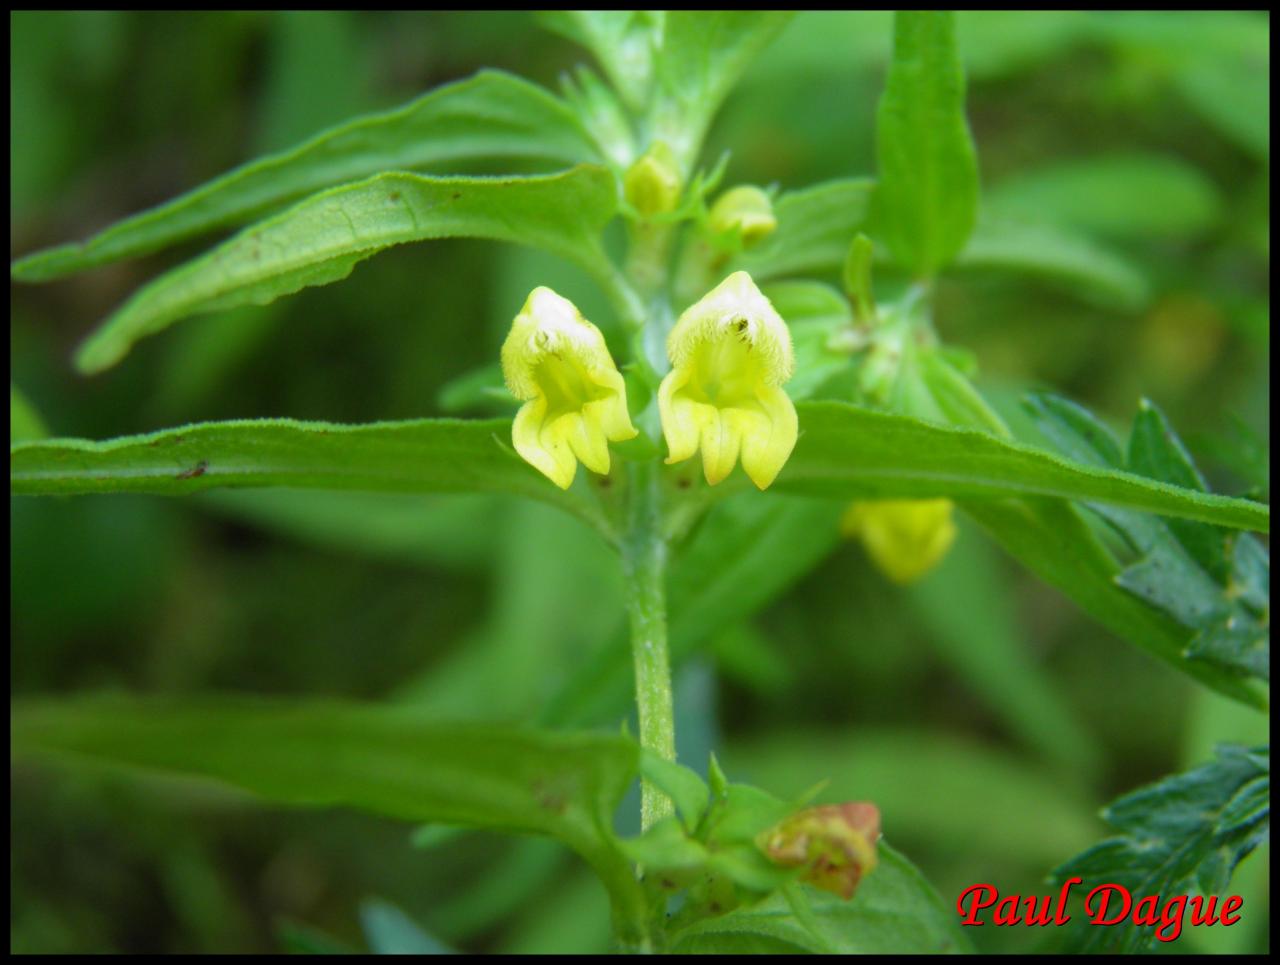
x: 986, y: 716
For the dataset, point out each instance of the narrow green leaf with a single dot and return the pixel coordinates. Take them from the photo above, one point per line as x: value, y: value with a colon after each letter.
x: 895, y: 911
x: 1052, y: 540
x: 1051, y: 253
x: 927, y: 201
x: 493, y: 114
x: 815, y: 228
x: 423, y: 456
x: 849, y: 451
x: 384, y: 759
x: 955, y: 397
x: 321, y: 239
x: 1213, y: 581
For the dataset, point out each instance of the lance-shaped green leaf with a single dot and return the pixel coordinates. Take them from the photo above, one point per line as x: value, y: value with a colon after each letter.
x: 321, y: 239
x: 493, y: 114
x: 701, y: 56
x: 421, y: 456
x: 1052, y: 539
x: 815, y: 228
x: 927, y: 201
x: 1213, y: 581
x: 385, y: 759
x: 1078, y: 264
x: 847, y: 450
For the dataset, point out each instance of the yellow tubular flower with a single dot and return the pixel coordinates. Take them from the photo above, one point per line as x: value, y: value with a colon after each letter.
x: 575, y: 401
x: 730, y: 355
x: 904, y: 537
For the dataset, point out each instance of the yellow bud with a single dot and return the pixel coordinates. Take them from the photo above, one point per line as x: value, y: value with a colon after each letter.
x: 835, y: 843
x: 744, y: 209
x: 730, y: 355
x: 905, y: 537
x: 557, y: 363
x: 652, y: 184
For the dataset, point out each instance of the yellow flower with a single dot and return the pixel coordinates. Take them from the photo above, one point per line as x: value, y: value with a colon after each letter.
x: 730, y: 355
x: 745, y: 209
x: 905, y: 537
x: 556, y: 362
x: 834, y: 843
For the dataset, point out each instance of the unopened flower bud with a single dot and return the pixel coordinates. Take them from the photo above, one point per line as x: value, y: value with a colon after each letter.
x: 746, y: 210
x: 652, y: 184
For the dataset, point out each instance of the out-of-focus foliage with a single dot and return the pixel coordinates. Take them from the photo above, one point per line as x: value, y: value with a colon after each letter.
x: 1124, y: 177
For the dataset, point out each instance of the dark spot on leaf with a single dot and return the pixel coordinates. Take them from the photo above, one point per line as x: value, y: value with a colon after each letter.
x: 604, y: 482
x: 457, y: 195
x: 393, y: 197
x: 550, y: 798
x: 714, y: 907
x: 684, y: 482
x: 196, y: 470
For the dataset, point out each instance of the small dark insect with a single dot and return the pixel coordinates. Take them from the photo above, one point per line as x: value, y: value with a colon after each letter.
x: 456, y: 196
x: 197, y: 470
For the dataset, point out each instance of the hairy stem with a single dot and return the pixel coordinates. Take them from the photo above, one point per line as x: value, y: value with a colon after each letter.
x: 644, y: 554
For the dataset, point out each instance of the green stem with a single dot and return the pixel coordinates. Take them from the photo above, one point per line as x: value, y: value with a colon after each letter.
x: 644, y: 545
x: 644, y: 554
